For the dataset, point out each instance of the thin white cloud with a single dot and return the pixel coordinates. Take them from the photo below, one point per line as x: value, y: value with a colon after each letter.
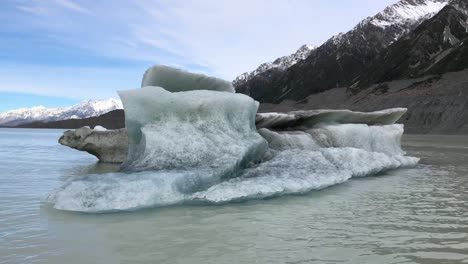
x: 34, y: 9
x: 223, y: 38
x: 49, y: 7
x: 71, y: 5
x: 231, y: 37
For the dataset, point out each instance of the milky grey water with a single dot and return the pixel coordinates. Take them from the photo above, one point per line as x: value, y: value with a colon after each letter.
x: 417, y: 215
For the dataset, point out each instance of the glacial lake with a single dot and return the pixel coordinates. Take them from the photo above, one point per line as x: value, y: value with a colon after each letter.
x: 417, y: 215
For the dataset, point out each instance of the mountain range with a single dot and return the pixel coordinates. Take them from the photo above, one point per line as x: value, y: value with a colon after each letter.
x: 85, y: 109
x: 345, y: 59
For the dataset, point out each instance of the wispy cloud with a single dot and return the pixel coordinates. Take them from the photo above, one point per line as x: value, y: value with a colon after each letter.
x: 223, y: 38
x: 71, y: 5
x: 34, y: 9
x: 46, y: 8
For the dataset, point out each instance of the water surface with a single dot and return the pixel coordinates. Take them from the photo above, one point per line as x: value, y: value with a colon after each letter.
x: 414, y: 215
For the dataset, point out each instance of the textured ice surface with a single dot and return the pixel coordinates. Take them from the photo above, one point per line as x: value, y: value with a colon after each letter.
x: 288, y: 172
x: 176, y: 80
x: 300, y: 171
x: 385, y: 139
x: 194, y: 130
x: 311, y: 118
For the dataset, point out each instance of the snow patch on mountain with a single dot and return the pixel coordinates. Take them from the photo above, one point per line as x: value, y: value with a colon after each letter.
x: 85, y: 109
x: 281, y: 63
x: 449, y: 37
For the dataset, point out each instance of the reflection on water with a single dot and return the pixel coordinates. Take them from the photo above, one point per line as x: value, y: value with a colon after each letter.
x: 414, y: 215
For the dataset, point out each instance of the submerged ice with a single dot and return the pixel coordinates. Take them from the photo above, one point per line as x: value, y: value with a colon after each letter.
x: 191, y: 140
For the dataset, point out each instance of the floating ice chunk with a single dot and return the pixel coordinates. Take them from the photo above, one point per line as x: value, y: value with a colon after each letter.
x: 310, y: 118
x: 176, y: 80
x: 100, y: 128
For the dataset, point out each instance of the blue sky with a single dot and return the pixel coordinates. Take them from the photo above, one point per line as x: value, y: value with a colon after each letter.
x: 58, y: 52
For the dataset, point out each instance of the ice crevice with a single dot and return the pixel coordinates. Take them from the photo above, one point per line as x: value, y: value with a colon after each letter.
x: 191, y: 139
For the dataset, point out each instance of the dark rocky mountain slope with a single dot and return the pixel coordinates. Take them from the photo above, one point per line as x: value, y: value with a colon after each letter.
x: 343, y: 59
x: 437, y: 46
x: 437, y: 104
x: 112, y: 120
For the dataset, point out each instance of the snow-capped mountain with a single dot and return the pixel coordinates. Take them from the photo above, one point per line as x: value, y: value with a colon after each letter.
x: 395, y: 20
x: 281, y: 63
x: 437, y: 46
x: 85, y: 109
x: 341, y: 60
x: 407, y: 11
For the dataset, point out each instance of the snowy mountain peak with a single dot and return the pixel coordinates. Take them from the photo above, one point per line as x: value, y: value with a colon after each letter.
x: 407, y: 11
x: 280, y: 63
x: 85, y: 109
x: 304, y: 50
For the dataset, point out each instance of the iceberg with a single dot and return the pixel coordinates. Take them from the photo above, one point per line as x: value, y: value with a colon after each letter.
x: 190, y: 145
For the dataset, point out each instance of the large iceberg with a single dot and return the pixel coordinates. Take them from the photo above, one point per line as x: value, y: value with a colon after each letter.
x: 192, y: 145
